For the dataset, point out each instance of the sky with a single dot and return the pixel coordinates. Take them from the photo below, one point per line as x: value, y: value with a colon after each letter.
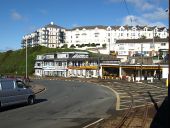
x: 21, y: 17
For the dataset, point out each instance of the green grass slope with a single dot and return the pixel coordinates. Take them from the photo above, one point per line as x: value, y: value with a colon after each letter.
x: 13, y: 62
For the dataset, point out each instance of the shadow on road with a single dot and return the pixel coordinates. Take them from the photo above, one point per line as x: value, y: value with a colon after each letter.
x: 40, y: 100
x: 7, y: 108
x: 153, y: 101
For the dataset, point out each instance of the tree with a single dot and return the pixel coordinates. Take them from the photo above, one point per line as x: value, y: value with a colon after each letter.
x: 104, y: 45
x: 157, y: 37
x: 82, y: 45
x: 64, y: 46
x: 93, y: 45
x: 72, y: 46
x: 143, y: 37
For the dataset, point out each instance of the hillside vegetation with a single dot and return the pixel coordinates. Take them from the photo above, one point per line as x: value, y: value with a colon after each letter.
x: 13, y: 62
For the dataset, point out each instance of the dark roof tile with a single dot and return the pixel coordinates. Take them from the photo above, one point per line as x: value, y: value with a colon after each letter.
x: 141, y: 40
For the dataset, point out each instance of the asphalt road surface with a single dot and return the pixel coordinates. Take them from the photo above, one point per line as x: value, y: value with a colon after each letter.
x: 64, y: 104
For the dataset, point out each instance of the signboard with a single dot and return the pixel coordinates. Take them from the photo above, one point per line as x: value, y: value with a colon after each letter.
x: 123, y: 53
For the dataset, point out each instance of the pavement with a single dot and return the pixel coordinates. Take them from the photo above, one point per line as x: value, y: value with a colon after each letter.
x: 37, y: 88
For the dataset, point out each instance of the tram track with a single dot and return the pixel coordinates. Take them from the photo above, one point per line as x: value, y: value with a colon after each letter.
x: 136, y: 99
x: 134, y: 117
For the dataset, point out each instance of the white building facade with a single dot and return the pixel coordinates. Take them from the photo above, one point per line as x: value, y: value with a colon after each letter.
x: 98, y: 37
x: 136, y: 47
x: 80, y: 64
x: 66, y: 64
x: 51, y: 36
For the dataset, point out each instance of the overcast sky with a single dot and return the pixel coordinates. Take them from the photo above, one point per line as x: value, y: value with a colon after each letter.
x: 20, y: 17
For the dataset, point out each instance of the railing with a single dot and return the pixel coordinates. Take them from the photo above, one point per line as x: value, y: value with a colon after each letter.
x: 83, y: 67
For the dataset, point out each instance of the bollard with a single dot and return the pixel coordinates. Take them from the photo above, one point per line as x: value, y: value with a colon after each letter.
x: 166, y: 82
x: 128, y: 78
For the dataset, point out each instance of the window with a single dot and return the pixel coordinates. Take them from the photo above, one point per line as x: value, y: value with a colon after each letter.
x: 133, y: 34
x: 20, y: 84
x: 131, y: 45
x: 152, y: 45
x: 64, y: 63
x: 84, y: 34
x: 96, y: 34
x: 7, y: 85
x: 59, y: 63
x: 77, y: 35
x: 121, y: 47
x: 163, y: 44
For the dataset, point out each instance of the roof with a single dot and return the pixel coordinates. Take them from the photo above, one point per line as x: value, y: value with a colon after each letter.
x: 141, y: 40
x: 53, y: 26
x: 90, y: 27
x: 73, y: 52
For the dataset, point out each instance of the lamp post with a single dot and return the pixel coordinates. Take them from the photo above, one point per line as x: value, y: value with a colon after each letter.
x: 141, y: 61
x: 26, y: 69
x: 98, y: 66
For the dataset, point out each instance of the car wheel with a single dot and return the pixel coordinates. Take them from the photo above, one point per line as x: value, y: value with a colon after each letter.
x: 31, y: 100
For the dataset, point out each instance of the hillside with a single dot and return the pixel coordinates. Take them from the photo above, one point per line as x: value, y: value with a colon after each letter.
x: 13, y: 62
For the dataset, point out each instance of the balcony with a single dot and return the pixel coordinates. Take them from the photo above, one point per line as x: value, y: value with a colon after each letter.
x: 47, y: 67
x: 83, y: 67
x: 38, y: 66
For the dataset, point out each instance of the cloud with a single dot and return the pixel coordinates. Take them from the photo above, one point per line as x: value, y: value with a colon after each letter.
x: 43, y: 11
x: 158, y: 14
x: 136, y: 20
x: 75, y: 25
x: 16, y: 15
x: 139, y: 4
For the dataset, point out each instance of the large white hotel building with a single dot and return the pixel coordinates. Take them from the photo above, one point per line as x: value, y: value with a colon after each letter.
x: 101, y: 38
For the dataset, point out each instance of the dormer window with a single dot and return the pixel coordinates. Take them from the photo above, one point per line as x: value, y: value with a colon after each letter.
x: 121, y: 29
x: 108, y: 29
x: 133, y: 29
x: 145, y: 29
x: 96, y: 28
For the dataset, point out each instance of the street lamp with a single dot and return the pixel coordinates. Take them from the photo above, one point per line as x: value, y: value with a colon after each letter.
x: 98, y: 66
x: 26, y: 70
x: 141, y: 61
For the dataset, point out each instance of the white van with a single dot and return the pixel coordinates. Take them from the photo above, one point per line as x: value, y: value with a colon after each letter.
x: 14, y: 91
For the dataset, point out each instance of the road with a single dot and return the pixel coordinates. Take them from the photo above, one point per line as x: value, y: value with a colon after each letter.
x: 64, y: 104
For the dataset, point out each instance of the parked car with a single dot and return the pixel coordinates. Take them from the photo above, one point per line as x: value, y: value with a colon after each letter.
x: 14, y: 91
